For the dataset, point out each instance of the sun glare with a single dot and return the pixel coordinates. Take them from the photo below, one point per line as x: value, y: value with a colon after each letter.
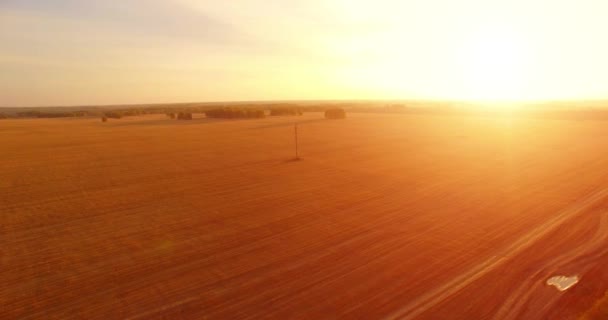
x: 495, y: 67
x: 481, y: 60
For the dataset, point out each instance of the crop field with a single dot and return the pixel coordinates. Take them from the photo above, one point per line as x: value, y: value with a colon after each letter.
x: 383, y: 217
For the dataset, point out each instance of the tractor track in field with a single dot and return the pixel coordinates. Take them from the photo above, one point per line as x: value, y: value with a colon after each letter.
x: 432, y: 298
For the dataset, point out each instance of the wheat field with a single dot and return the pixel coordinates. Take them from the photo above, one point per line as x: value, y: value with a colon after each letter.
x: 149, y: 218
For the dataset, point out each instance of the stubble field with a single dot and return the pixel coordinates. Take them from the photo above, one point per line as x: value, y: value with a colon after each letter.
x: 385, y: 216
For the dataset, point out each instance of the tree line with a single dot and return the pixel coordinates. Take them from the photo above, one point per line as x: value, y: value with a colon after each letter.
x: 286, y: 111
x: 235, y: 113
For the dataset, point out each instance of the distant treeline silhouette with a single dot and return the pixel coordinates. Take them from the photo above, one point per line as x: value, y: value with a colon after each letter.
x: 184, y: 116
x: 113, y: 114
x: 42, y: 114
x: 566, y: 111
x: 286, y: 111
x: 218, y: 110
x: 335, y: 113
x: 235, y: 113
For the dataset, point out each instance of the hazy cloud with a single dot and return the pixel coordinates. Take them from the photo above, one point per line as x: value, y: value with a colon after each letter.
x: 164, y: 50
x: 150, y: 18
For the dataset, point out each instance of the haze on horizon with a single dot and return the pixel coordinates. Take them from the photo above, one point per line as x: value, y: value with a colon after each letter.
x: 70, y: 52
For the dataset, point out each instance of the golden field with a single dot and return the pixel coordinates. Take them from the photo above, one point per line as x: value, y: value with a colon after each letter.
x: 385, y: 216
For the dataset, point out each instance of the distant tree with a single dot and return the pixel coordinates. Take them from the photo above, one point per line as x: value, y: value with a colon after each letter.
x: 184, y: 116
x: 285, y: 111
x: 336, y: 113
x: 50, y: 114
x: 235, y: 113
x: 171, y: 115
x: 29, y: 114
x: 113, y: 114
x: 104, y: 119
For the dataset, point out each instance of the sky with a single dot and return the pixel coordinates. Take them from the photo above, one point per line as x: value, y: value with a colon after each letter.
x: 75, y: 52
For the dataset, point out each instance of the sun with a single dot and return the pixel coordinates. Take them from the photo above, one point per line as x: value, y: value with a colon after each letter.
x: 479, y: 61
x: 494, y: 66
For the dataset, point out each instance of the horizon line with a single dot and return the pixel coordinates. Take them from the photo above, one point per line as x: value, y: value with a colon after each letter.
x: 419, y: 100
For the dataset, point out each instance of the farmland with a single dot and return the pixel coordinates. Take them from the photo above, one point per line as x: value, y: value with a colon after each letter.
x: 385, y: 216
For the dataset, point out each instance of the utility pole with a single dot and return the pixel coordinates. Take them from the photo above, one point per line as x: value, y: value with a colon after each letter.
x: 295, y: 132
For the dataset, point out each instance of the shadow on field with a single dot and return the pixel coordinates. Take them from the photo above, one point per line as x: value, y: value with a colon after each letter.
x: 290, y: 160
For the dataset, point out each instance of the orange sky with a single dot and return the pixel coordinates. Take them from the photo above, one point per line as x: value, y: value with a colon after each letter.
x: 66, y: 52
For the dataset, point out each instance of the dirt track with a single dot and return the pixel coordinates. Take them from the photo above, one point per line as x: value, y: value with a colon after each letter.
x: 149, y: 218
x: 508, y: 310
